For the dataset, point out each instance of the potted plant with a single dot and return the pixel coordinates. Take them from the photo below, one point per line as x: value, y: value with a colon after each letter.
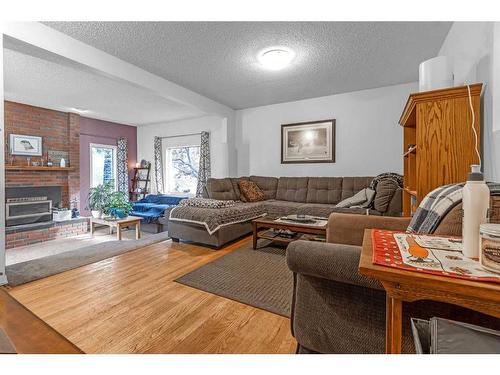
x: 118, y: 206
x: 98, y: 199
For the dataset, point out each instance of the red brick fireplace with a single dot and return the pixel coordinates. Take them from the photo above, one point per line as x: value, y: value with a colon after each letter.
x: 60, y: 131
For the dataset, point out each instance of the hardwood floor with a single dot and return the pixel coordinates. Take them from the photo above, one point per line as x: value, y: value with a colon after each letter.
x: 130, y: 304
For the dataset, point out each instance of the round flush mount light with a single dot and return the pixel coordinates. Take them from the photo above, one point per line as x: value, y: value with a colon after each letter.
x: 276, y: 58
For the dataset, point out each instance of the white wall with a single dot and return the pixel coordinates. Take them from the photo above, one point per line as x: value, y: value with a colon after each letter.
x: 368, y: 137
x: 213, y: 124
x: 3, y: 279
x: 470, y: 47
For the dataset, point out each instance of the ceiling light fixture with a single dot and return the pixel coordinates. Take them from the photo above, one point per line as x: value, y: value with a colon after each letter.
x: 276, y: 58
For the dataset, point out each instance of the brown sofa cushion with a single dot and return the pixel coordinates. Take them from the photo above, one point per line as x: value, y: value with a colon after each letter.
x: 275, y: 208
x: 385, y: 190
x: 251, y: 191
x: 292, y: 189
x: 235, y: 181
x: 268, y: 185
x: 221, y: 188
x: 325, y: 190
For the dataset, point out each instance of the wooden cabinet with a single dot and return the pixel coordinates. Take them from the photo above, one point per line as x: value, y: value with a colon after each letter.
x: 438, y: 141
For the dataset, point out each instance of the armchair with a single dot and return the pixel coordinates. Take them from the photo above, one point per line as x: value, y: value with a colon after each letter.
x: 336, y: 310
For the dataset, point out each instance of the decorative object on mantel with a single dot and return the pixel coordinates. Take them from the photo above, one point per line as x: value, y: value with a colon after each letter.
x: 56, y: 156
x: 308, y: 142
x: 62, y: 163
x: 25, y: 145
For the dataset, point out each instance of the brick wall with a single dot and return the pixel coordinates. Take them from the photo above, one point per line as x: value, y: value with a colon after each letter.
x: 58, y: 230
x: 59, y: 131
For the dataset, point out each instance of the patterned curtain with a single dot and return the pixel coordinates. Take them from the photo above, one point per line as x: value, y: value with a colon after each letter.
x: 122, y: 165
x: 204, y: 168
x: 158, y: 164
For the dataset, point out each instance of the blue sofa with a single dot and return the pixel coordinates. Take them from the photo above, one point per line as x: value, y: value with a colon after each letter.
x: 152, y: 208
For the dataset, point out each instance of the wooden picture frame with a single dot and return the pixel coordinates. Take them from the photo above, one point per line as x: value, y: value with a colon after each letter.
x: 27, y: 145
x: 308, y: 142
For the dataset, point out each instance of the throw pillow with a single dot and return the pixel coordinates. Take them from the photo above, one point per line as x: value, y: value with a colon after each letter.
x: 250, y: 191
x: 384, y: 192
x: 361, y: 198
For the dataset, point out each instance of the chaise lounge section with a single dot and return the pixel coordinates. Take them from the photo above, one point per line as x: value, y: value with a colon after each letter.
x: 316, y: 196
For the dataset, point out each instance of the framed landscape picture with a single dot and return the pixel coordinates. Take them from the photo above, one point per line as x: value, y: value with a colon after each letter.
x: 28, y: 145
x: 308, y: 142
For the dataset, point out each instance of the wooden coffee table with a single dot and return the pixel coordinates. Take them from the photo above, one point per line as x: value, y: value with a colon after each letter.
x: 118, y: 224
x: 262, y: 228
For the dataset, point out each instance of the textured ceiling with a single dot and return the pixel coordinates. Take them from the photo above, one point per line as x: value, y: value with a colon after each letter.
x: 52, y: 83
x: 219, y: 59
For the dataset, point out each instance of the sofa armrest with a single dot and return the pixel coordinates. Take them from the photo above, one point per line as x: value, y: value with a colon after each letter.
x: 348, y: 229
x: 328, y: 261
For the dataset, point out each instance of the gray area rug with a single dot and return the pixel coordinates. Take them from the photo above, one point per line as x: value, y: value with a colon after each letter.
x: 25, y: 272
x: 258, y: 278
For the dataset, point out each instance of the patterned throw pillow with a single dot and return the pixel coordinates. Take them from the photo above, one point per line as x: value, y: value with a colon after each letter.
x: 251, y: 191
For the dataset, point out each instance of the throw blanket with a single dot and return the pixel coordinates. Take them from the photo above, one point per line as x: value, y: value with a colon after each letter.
x: 387, y: 176
x: 152, y: 207
x: 215, y: 218
x: 437, y: 204
x: 207, y: 203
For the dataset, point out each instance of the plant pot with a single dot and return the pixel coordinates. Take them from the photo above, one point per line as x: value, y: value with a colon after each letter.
x: 96, y: 214
x: 119, y: 213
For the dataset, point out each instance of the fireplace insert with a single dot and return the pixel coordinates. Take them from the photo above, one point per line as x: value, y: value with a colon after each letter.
x: 28, y: 205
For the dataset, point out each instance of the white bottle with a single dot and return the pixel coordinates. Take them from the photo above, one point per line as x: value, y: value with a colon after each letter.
x: 62, y: 164
x: 475, y: 202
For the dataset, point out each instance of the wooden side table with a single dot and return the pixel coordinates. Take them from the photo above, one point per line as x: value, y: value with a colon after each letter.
x: 118, y: 224
x: 409, y: 286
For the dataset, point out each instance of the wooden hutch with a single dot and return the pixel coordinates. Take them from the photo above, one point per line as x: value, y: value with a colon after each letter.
x: 438, y: 141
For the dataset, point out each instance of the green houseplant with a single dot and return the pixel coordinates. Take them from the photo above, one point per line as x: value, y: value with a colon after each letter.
x: 99, y: 197
x: 118, y: 205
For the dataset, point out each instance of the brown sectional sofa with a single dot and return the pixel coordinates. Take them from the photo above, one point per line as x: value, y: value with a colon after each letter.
x: 315, y: 196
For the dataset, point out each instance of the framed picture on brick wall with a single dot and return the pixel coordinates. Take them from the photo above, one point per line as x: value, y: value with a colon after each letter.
x: 28, y: 145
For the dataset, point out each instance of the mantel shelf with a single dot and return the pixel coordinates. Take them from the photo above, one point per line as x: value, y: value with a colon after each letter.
x: 34, y: 168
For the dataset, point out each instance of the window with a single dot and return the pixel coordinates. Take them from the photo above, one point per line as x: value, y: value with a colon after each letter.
x: 102, y: 164
x: 182, y: 169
